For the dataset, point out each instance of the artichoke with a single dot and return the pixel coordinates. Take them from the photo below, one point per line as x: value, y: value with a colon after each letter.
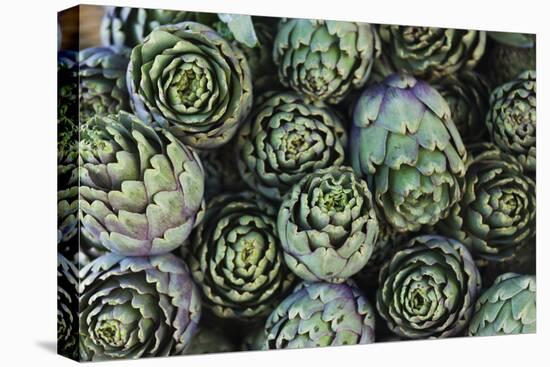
x: 135, y: 307
x: 67, y: 153
x: 324, y: 60
x: 319, y: 315
x: 67, y: 308
x: 431, y: 53
x: 209, y: 340
x: 507, y: 307
x: 328, y: 226
x: 428, y: 289
x: 123, y: 26
x: 102, y: 76
x: 285, y: 140
x: 235, y: 257
x: 190, y: 80
x: 512, y: 118
x: 141, y: 191
x: 404, y: 142
x: 497, y: 213
x: 467, y: 94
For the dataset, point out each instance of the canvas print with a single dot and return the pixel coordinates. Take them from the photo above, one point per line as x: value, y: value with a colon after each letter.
x: 234, y: 183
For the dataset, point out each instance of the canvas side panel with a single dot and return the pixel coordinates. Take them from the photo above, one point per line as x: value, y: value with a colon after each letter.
x: 67, y: 183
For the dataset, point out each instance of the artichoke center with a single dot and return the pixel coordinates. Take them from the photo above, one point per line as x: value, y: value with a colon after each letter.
x: 248, y: 250
x: 335, y: 200
x: 295, y: 144
x: 110, y: 332
x: 189, y: 86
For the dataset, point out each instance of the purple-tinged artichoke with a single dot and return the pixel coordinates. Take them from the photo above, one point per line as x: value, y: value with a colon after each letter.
x: 512, y: 118
x: 328, y: 226
x: 319, y: 315
x: 190, y: 80
x: 325, y: 60
x: 136, y: 307
x: 428, y: 289
x: 141, y: 191
x: 405, y: 144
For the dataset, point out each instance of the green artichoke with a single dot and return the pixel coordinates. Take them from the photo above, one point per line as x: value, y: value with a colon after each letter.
x: 191, y: 81
x: 328, y: 226
x: 102, y: 77
x: 404, y: 142
x: 67, y: 308
x: 136, y: 307
x: 141, y: 191
x: 467, y: 94
x: 324, y: 60
x: 123, y: 26
x: 285, y: 140
x: 497, y: 212
x: 235, y: 257
x: 430, y: 53
x: 512, y: 118
x: 319, y: 315
x: 67, y: 221
x: 507, y: 307
x: 210, y: 340
x: 428, y: 289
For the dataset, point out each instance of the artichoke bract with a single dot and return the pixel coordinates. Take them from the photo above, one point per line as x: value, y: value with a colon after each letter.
x: 285, y: 139
x: 507, y: 307
x: 188, y: 79
x: 497, y: 213
x: 122, y: 26
x: 431, y: 53
x: 328, y: 226
x: 429, y: 288
x: 136, y: 307
x: 67, y: 308
x: 236, y: 259
x: 404, y: 142
x: 102, y: 77
x: 324, y: 60
x: 467, y: 94
x: 512, y: 118
x: 141, y: 191
x: 319, y: 315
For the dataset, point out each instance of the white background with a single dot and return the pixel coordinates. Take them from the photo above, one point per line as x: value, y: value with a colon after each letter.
x: 28, y: 182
